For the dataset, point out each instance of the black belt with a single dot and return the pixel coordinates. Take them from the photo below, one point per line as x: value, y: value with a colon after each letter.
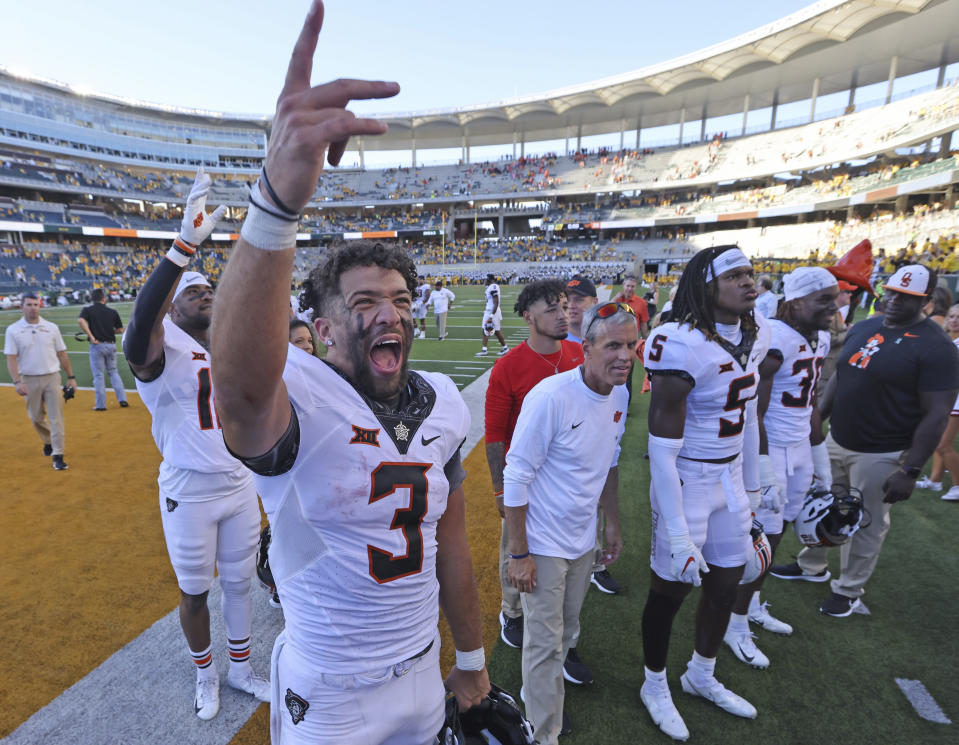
x: 420, y: 654
x: 720, y: 461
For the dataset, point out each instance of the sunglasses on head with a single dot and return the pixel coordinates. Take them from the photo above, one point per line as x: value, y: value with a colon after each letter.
x: 607, y: 310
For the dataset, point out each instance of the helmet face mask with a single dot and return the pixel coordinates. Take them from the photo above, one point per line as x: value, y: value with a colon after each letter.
x: 497, y: 720
x: 829, y: 518
x: 759, y: 554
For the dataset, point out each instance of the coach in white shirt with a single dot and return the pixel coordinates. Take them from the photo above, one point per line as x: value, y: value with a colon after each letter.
x: 562, y: 463
x: 767, y: 301
x: 35, y: 353
x: 440, y: 299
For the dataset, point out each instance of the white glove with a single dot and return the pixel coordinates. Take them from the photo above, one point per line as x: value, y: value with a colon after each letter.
x: 822, y: 470
x: 197, y: 224
x: 770, y: 496
x: 687, y: 562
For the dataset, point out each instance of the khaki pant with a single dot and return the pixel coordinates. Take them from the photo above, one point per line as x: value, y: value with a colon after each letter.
x: 550, y: 628
x: 441, y: 324
x: 44, y: 402
x: 511, y: 603
x: 858, y: 556
x: 598, y: 553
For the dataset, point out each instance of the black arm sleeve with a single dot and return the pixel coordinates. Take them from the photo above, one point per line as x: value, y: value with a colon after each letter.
x: 147, y: 309
x: 455, y: 473
x: 280, y: 458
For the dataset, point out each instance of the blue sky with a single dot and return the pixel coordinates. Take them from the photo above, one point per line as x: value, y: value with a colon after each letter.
x: 232, y: 56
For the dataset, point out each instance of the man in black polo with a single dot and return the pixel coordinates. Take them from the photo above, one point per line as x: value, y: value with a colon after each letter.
x: 896, y: 381
x: 101, y: 324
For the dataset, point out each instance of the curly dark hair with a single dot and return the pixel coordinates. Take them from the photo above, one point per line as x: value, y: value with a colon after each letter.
x: 696, y: 295
x: 549, y: 290
x: 322, y: 286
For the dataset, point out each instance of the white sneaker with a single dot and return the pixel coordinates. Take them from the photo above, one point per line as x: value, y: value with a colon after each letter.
x: 250, y: 683
x: 662, y: 710
x: 952, y: 495
x: 503, y: 350
x: 745, y: 648
x: 481, y: 353
x: 926, y: 483
x: 760, y: 614
x: 721, y: 696
x: 207, y: 702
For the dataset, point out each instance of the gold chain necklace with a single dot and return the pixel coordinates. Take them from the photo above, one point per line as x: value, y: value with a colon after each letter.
x: 558, y: 362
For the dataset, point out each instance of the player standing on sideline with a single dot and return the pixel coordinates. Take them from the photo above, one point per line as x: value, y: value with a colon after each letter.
x: 421, y: 297
x: 101, y: 325
x: 542, y: 304
x: 563, y: 463
x: 788, y: 425
x: 492, y: 317
x: 641, y: 309
x: 705, y: 368
x: 357, y: 458
x: 889, y: 402
x: 582, y: 296
x: 207, y: 501
x: 35, y: 353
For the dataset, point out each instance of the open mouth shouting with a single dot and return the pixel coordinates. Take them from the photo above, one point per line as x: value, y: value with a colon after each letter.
x: 386, y: 355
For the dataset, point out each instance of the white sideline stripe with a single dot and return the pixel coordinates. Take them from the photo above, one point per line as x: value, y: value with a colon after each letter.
x: 922, y: 701
x: 147, y: 687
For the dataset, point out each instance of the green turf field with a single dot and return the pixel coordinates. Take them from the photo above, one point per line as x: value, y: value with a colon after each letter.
x: 833, y: 679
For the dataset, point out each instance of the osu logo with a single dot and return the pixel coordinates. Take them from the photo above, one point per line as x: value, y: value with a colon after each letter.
x: 861, y: 358
x: 906, y: 279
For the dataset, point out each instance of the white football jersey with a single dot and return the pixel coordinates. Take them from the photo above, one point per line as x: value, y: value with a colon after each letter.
x: 724, y: 378
x: 354, y: 519
x: 794, y: 384
x: 181, y: 401
x: 492, y: 291
x: 419, y: 296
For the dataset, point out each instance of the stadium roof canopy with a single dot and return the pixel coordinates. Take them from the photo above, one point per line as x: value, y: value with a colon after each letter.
x: 827, y: 47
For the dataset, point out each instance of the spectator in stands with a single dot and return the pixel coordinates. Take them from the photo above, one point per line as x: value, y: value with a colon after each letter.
x: 301, y: 335
x: 441, y: 299
x: 767, y: 301
x: 35, y: 353
x: 101, y: 325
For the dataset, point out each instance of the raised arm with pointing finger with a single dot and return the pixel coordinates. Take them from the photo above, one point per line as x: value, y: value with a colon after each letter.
x: 356, y: 457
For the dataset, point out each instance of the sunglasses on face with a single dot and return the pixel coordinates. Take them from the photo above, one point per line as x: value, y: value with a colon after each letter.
x: 607, y: 310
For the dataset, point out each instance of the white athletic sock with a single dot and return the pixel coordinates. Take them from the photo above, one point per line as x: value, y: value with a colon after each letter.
x: 203, y: 661
x: 702, y: 668
x: 239, y: 655
x: 657, y: 679
x: 738, y: 623
x: 754, y: 602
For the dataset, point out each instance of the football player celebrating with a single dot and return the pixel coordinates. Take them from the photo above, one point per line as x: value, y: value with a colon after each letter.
x: 356, y: 457
x: 207, y: 500
x: 789, y: 424
x: 705, y: 368
x: 421, y: 297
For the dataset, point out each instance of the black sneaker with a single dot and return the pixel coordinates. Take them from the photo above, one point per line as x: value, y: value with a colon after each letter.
x: 59, y: 464
x: 794, y: 571
x: 124, y: 404
x: 605, y: 582
x: 575, y: 670
x: 511, y: 631
x: 48, y: 450
x: 566, y: 727
x: 838, y: 606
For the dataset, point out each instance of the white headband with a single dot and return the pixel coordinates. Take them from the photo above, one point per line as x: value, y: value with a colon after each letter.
x: 188, y: 280
x: 732, y: 258
x: 806, y: 280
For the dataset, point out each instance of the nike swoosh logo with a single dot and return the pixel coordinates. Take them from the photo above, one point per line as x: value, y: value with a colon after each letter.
x: 912, y: 336
x: 576, y: 425
x: 689, y: 561
x: 427, y: 442
x: 748, y: 658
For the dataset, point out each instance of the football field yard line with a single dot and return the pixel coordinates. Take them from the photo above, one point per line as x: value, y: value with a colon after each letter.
x: 922, y: 701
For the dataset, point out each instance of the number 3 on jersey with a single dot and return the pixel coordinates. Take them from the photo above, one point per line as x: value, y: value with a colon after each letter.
x: 386, y: 479
x: 736, y: 402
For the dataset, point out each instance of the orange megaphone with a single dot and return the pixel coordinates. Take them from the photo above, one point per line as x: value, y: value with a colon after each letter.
x: 856, y: 266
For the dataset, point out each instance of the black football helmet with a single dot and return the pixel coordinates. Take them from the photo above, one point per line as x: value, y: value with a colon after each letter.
x: 829, y: 517
x: 496, y: 720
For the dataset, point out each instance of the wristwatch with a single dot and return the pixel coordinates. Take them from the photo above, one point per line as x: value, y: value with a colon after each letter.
x: 911, y: 471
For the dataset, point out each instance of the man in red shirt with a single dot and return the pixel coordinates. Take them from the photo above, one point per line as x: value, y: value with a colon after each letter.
x: 544, y: 307
x: 641, y: 309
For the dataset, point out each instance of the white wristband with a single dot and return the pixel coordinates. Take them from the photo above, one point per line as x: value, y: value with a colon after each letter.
x: 475, y: 660
x: 265, y: 229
